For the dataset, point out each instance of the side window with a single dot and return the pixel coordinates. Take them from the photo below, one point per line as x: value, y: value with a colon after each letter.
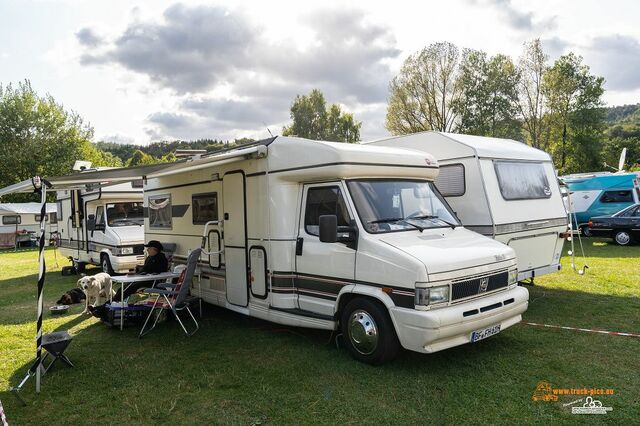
x: 53, y: 218
x: 160, y: 211
x: 100, y: 215
x: 11, y: 220
x: 450, y: 180
x: 616, y: 197
x: 519, y: 180
x: 59, y: 213
x: 204, y: 208
x: 38, y: 217
x: 321, y: 201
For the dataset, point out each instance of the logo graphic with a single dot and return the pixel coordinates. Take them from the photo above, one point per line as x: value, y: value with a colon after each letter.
x: 484, y: 283
x: 543, y: 392
x: 591, y: 406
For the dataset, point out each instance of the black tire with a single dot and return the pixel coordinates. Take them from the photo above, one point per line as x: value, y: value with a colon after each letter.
x: 359, y: 319
x: 585, y: 231
x: 105, y: 264
x: 622, y: 238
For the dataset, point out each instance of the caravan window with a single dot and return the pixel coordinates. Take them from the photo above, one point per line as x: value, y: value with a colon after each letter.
x: 204, y: 208
x: 616, y: 197
x: 520, y: 180
x: 11, y: 220
x: 322, y: 201
x: 53, y: 218
x: 38, y: 217
x: 59, y: 213
x: 160, y: 211
x: 450, y: 181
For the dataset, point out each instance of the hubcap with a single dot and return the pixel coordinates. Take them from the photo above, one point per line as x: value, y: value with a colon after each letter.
x: 622, y: 238
x: 363, y: 332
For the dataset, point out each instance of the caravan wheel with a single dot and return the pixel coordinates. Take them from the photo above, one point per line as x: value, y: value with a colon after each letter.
x: 368, y: 332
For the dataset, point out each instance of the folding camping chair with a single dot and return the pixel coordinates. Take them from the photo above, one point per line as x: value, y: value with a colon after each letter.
x: 175, y: 299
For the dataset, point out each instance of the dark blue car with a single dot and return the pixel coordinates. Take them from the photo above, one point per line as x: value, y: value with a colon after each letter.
x: 623, y: 226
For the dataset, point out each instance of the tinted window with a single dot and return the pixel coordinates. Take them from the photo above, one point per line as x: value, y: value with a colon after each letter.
x: 322, y: 201
x: 631, y: 212
x: 519, y: 180
x: 450, y: 181
x: 204, y: 207
x: 11, y: 220
x: 616, y: 197
x: 160, y: 211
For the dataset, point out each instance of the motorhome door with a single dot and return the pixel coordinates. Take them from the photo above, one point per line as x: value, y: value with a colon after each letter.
x: 235, y: 241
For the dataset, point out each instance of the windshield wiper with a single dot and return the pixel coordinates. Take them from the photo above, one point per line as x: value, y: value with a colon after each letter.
x: 397, y: 219
x: 430, y: 216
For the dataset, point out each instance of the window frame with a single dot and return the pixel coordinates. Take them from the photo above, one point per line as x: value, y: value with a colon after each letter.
x: 155, y: 197
x: 12, y: 223
x: 193, y: 210
x: 497, y: 172
x: 604, y: 193
x: 464, y: 180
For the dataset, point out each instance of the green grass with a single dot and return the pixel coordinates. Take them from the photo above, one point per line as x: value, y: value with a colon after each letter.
x: 238, y: 370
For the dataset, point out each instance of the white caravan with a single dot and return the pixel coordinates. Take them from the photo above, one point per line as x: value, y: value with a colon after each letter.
x: 19, y: 217
x: 102, y: 226
x: 500, y: 188
x: 331, y: 236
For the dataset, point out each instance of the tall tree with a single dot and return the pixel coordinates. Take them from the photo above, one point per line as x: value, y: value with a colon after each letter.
x: 488, y: 105
x: 423, y: 94
x: 531, y: 104
x: 575, y: 110
x: 312, y: 120
x: 39, y: 137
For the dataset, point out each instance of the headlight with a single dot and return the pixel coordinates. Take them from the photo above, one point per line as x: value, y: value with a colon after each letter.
x: 432, y: 295
x: 513, y: 276
x: 125, y: 250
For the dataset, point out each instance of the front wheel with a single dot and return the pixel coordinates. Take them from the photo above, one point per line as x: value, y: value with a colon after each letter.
x: 622, y: 238
x: 105, y: 264
x: 368, y: 332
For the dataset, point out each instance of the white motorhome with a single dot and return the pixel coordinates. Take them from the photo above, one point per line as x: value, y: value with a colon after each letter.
x: 500, y: 188
x: 102, y: 226
x: 330, y: 236
x: 17, y: 218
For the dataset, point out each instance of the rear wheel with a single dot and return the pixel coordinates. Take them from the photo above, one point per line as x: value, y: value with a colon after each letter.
x: 368, y: 332
x: 105, y: 263
x: 622, y: 238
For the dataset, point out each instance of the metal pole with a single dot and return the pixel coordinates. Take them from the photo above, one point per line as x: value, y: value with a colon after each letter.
x: 40, y: 187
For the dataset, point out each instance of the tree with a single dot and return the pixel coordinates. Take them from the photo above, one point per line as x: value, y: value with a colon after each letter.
x: 488, y: 104
x: 576, y: 117
x: 312, y: 120
x: 39, y: 137
x: 531, y: 101
x: 423, y: 95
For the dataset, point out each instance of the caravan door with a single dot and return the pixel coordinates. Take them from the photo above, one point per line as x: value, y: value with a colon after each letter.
x: 235, y: 238
x: 322, y: 269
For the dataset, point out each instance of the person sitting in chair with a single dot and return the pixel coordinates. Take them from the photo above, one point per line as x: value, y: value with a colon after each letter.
x: 155, y: 263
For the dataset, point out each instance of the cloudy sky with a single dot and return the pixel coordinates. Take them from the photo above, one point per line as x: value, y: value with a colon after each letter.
x: 142, y: 71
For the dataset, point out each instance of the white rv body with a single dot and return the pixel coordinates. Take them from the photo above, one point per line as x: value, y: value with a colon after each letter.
x: 253, y: 205
x: 533, y: 225
x: 117, y: 246
x: 17, y: 217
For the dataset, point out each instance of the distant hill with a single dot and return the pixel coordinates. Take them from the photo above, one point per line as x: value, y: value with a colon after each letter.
x: 624, y: 114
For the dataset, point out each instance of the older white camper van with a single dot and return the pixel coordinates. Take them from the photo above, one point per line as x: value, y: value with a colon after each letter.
x: 102, y: 226
x: 20, y: 223
x: 500, y: 188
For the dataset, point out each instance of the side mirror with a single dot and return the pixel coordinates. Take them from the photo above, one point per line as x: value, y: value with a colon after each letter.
x: 328, y: 228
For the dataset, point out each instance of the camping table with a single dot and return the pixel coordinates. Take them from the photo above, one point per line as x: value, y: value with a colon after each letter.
x: 126, y: 280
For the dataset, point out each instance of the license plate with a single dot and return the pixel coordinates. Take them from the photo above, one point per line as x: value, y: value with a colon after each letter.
x: 484, y: 333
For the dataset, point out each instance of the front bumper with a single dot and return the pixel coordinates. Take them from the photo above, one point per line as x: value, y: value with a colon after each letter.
x: 123, y: 264
x: 443, y: 328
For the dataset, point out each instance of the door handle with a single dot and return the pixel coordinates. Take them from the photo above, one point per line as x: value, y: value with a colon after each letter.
x: 299, y: 243
x: 226, y: 216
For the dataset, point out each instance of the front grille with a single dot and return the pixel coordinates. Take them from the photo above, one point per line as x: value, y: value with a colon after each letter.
x: 468, y: 288
x: 139, y: 249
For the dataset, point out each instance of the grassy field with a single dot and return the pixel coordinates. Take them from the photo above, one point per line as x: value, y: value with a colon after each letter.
x: 238, y: 370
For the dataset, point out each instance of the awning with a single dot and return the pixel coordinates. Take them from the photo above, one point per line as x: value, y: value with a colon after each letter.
x: 26, y: 208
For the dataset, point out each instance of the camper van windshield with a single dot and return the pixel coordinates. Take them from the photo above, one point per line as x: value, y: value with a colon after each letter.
x: 400, y: 205
x: 124, y: 214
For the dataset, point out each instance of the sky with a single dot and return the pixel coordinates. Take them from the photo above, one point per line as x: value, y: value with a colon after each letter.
x: 143, y: 71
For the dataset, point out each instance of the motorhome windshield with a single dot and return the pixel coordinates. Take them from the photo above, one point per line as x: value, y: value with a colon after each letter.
x: 400, y: 205
x: 124, y: 214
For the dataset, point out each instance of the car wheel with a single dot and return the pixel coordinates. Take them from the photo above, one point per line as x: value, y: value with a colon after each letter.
x: 586, y: 231
x: 622, y: 238
x: 368, y: 332
x: 105, y: 263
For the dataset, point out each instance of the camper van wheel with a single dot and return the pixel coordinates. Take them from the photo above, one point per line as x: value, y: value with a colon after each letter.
x: 369, y: 333
x: 622, y: 238
x: 585, y: 231
x: 105, y: 263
